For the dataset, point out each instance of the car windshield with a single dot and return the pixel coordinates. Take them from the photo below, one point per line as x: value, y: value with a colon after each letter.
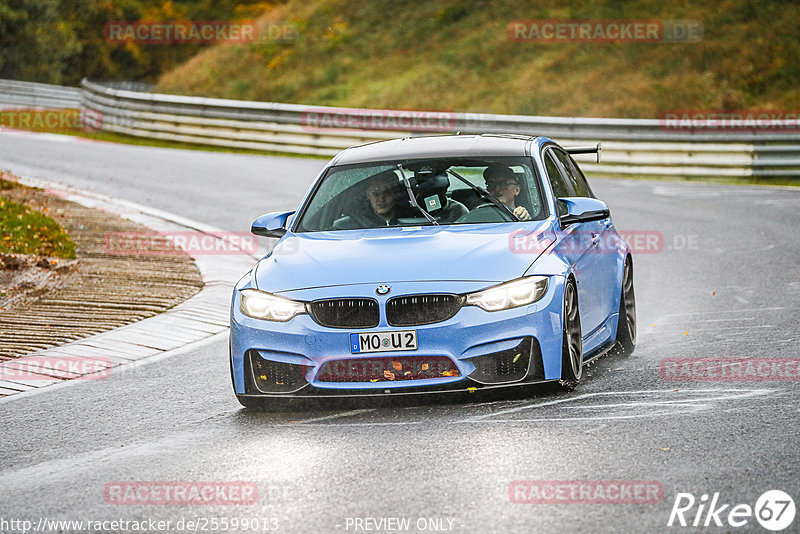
x: 424, y: 192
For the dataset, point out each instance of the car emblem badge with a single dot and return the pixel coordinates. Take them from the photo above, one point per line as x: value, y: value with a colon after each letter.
x: 383, y: 289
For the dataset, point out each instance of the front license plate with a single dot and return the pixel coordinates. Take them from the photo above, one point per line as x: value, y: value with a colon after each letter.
x: 383, y: 341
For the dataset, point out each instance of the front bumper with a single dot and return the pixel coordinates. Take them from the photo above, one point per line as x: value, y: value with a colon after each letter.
x: 473, y: 349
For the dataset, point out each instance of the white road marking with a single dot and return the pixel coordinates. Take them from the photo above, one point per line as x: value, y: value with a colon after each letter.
x: 335, y: 416
x: 720, y: 312
x: 740, y: 327
x: 694, y: 400
x: 613, y: 393
x: 595, y: 429
x: 707, y: 321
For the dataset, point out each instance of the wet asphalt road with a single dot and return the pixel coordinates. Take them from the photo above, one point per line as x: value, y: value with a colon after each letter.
x: 725, y: 283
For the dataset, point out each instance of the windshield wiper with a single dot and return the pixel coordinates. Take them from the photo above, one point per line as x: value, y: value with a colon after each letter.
x: 487, y: 195
x: 413, y: 199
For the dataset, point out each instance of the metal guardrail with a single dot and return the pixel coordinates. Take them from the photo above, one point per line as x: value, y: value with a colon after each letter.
x: 630, y: 146
x: 38, y: 95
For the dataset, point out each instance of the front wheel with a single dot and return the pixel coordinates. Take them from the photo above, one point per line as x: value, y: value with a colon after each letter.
x: 626, y: 327
x: 572, y: 344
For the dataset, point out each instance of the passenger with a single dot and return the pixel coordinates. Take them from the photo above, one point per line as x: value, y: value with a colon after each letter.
x: 502, y: 183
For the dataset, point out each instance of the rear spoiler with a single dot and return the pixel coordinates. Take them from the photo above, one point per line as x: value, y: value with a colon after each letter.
x: 586, y: 150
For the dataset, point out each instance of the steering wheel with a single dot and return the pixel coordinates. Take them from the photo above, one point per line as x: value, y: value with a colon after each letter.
x: 482, y: 214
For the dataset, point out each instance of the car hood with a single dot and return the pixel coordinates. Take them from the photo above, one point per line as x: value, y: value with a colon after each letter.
x: 466, y: 252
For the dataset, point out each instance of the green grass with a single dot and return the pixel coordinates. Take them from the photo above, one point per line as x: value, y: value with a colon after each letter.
x: 456, y: 55
x: 27, y: 231
x: 5, y: 185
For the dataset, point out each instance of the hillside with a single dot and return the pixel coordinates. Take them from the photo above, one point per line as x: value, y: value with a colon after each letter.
x: 457, y: 55
x: 63, y: 41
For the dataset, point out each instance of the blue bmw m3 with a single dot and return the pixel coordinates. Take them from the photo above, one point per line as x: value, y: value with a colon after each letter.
x: 432, y: 265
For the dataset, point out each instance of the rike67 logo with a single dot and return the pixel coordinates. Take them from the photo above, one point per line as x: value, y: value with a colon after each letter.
x: 774, y: 510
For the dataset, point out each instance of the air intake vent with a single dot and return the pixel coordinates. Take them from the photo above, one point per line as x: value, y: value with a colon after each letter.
x: 387, y: 369
x: 412, y: 310
x: 346, y: 313
x: 513, y: 365
x: 276, y: 377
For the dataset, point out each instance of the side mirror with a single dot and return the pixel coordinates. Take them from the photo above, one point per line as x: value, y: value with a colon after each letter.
x: 271, y: 224
x: 583, y: 209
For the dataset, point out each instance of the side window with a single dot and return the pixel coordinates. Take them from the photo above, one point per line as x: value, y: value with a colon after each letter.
x: 337, y: 191
x: 534, y: 196
x: 574, y: 174
x: 558, y: 181
x: 581, y: 177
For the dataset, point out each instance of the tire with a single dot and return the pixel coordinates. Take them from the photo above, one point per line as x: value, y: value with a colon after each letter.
x: 626, y: 326
x: 572, y: 344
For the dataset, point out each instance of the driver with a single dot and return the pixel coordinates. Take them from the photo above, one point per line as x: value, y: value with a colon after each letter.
x: 503, y: 184
x: 382, y: 192
x: 379, y: 207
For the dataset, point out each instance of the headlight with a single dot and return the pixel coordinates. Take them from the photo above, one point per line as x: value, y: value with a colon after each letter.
x: 262, y: 305
x: 509, y: 295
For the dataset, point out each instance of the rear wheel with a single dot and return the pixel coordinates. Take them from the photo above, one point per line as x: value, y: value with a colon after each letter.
x: 572, y: 344
x: 626, y: 327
